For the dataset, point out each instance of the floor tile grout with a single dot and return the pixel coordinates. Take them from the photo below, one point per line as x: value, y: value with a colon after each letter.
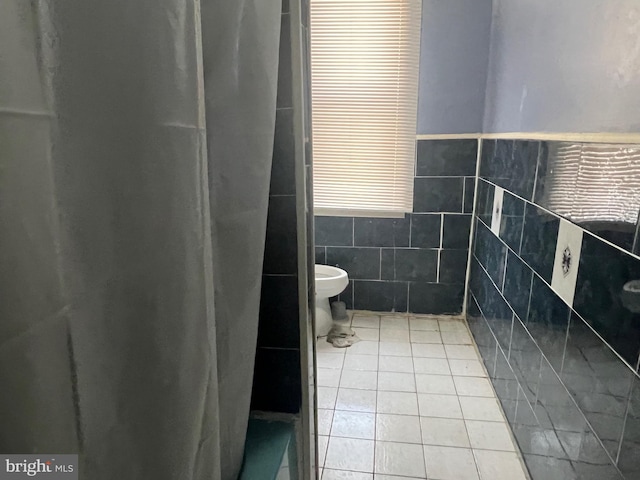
x: 414, y: 360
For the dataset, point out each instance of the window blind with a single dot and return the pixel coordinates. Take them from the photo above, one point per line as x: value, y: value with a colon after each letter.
x: 593, y: 182
x: 364, y: 77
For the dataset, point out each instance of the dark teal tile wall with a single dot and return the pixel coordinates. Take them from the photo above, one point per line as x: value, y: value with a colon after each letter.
x: 416, y: 263
x: 277, y: 373
x: 575, y: 408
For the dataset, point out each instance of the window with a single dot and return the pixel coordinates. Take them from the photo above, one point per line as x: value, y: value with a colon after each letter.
x: 364, y: 77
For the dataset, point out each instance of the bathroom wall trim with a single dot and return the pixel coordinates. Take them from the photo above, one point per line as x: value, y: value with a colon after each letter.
x: 535, y: 272
x: 549, y: 136
x: 550, y: 212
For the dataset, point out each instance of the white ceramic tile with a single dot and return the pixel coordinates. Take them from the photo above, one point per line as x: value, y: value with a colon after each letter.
x: 353, y: 425
x: 398, y: 428
x: 490, y: 435
x: 401, y: 403
x: 477, y: 408
x: 395, y: 364
x: 350, y: 454
x: 496, y: 217
x: 330, y: 360
x: 462, y: 338
x: 395, y: 349
x: 445, y: 406
x: 461, y: 352
x: 344, y: 475
x: 323, y: 441
x: 396, y: 382
x: 425, y: 336
x: 394, y: 335
x: 328, y: 377
x: 452, y: 325
x: 430, y: 350
x: 400, y: 459
x: 450, y: 463
x: 446, y: 432
x: 327, y: 397
x: 325, y: 417
x: 359, y: 379
x: 567, y: 260
x: 394, y: 322
x: 437, y: 366
x: 499, y: 465
x: 370, y: 334
x: 356, y: 400
x: 435, y: 384
x: 422, y: 323
x: 473, y: 387
x: 363, y: 348
x: 366, y: 321
x: 467, y: 368
x: 361, y: 362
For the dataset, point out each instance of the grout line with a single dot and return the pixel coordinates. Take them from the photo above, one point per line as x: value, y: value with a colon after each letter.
x: 410, y: 230
x: 624, y: 422
x: 524, y: 214
x: 408, y: 288
x: 542, y: 359
x: 465, y: 299
x: 441, y: 176
x: 548, y: 285
x: 418, y: 214
x: 566, y: 341
x: 513, y: 320
x: 464, y: 188
x: 535, y: 401
x: 546, y: 210
x: 353, y: 232
x: 504, y: 269
x: 535, y: 175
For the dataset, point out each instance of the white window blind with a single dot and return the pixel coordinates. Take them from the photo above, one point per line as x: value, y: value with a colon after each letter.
x: 593, y: 182
x: 364, y: 64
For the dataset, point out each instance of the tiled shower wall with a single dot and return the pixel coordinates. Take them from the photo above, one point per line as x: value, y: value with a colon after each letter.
x: 416, y: 263
x: 560, y: 346
x: 277, y: 375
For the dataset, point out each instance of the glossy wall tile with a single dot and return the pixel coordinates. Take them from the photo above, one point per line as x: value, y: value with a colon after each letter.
x: 549, y: 312
x: 278, y: 372
x: 416, y: 263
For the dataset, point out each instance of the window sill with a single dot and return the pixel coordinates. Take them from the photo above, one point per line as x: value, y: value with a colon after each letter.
x: 339, y: 212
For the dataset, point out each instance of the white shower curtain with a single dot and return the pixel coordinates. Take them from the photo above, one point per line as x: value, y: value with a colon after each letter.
x: 135, y: 150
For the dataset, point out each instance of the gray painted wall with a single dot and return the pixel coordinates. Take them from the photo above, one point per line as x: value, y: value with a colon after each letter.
x: 454, y: 55
x: 563, y: 66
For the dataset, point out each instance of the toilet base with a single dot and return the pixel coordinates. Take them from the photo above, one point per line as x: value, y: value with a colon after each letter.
x: 324, y: 320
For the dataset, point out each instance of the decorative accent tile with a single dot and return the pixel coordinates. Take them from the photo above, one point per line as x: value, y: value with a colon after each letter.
x: 496, y: 216
x: 567, y: 260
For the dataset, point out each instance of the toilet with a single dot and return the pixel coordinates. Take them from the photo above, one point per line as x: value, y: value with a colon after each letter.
x: 330, y: 281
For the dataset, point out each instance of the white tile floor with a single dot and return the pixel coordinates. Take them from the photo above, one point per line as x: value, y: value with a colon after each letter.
x: 410, y: 401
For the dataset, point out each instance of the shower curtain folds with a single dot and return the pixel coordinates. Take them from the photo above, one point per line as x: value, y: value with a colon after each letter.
x: 135, y: 151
